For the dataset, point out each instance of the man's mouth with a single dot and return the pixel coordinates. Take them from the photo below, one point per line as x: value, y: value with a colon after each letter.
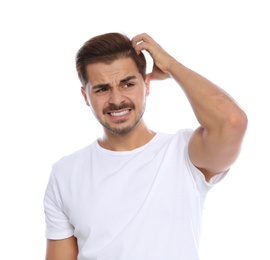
x: 117, y: 111
x: 120, y: 113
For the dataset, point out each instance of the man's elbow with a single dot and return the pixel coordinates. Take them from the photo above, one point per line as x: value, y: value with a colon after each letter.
x: 238, y: 123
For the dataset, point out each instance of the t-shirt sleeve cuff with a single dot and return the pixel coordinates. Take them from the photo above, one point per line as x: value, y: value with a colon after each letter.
x: 59, y: 235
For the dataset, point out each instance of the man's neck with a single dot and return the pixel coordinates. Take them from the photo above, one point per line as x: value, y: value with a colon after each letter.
x: 130, y: 141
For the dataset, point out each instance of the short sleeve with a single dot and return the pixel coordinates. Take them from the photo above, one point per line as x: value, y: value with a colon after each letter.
x: 199, y: 178
x: 57, y: 223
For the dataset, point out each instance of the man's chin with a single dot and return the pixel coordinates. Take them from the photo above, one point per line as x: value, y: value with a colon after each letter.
x: 120, y: 131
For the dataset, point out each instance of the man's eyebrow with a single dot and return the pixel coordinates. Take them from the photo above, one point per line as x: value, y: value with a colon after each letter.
x: 105, y: 85
x: 127, y: 79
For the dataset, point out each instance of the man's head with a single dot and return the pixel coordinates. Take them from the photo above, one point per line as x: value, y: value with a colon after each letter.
x: 114, y: 81
x: 107, y: 48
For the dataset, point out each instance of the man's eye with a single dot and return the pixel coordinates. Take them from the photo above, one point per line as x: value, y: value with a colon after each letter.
x: 100, y: 90
x: 128, y: 85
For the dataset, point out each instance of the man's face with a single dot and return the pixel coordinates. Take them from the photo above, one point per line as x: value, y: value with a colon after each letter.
x: 116, y: 93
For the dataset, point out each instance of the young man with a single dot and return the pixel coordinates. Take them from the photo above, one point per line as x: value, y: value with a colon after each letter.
x: 135, y: 194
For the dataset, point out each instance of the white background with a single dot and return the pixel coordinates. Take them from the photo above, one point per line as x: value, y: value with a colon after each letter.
x: 43, y: 115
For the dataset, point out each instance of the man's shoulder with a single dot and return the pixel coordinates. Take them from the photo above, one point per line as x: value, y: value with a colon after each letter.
x: 182, y: 135
x: 74, y: 157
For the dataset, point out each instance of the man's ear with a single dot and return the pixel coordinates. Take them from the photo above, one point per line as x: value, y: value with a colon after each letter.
x: 83, y: 91
x: 147, y: 83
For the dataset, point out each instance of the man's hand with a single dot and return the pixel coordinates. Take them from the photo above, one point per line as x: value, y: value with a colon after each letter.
x: 162, y: 61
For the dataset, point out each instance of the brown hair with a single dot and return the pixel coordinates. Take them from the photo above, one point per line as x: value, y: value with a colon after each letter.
x: 107, y: 48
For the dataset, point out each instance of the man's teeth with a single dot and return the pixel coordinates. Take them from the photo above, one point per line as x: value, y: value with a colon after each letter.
x: 119, y: 113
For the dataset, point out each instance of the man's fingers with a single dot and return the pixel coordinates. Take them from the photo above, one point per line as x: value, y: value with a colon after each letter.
x: 142, y: 42
x: 140, y: 46
x: 140, y: 38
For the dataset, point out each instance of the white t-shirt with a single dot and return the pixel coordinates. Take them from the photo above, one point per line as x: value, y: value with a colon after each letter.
x: 144, y: 204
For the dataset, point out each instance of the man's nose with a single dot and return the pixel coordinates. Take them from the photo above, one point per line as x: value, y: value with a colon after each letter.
x: 116, y: 96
